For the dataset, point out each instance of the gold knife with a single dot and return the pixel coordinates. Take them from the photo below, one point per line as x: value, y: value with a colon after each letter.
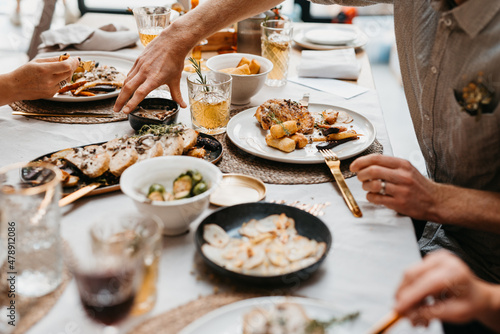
x: 385, y: 323
x: 21, y: 113
x: 78, y: 194
x: 333, y: 162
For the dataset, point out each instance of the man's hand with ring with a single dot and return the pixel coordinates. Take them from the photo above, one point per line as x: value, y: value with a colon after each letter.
x: 398, y: 185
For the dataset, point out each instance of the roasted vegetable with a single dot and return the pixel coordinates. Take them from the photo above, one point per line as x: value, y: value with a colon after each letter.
x: 201, y: 187
x: 156, y: 192
x: 182, y: 186
x: 195, y: 175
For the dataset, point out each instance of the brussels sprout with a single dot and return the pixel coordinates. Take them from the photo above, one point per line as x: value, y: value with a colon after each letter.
x: 201, y: 187
x: 156, y: 196
x: 156, y: 187
x: 182, y: 186
x: 195, y: 175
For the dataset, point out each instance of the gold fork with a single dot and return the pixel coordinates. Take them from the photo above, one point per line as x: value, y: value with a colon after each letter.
x: 333, y: 162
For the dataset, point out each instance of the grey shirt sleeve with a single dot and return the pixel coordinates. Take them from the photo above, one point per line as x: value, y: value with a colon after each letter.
x: 351, y: 2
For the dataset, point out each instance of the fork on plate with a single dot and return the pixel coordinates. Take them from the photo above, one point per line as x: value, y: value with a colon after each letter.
x: 333, y: 162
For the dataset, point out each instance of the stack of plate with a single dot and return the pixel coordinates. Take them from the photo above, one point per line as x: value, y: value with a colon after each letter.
x: 331, y: 37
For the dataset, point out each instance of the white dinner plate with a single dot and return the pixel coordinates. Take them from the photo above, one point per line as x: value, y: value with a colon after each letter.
x: 302, y: 37
x: 122, y: 63
x: 229, y: 319
x: 246, y: 133
x: 331, y: 36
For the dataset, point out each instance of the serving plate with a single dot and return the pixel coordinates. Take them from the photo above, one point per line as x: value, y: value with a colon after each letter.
x: 229, y: 318
x: 122, y: 63
x: 232, y: 218
x: 112, y: 183
x: 247, y: 134
x: 304, y: 37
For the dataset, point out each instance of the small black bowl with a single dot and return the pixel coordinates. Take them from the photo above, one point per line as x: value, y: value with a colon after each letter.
x: 136, y: 121
x: 232, y: 217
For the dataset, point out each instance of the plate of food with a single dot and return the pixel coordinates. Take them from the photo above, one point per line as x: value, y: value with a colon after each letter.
x: 276, y: 315
x: 100, y: 76
x: 104, y: 162
x: 331, y: 37
x: 263, y: 243
x: 283, y: 130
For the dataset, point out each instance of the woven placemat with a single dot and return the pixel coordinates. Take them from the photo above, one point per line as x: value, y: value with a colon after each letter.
x: 53, y: 107
x: 30, y: 310
x: 235, y: 160
x: 173, y: 321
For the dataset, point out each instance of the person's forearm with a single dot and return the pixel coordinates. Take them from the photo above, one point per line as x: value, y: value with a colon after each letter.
x: 8, y: 92
x: 470, y: 208
x: 214, y: 15
x: 490, y: 316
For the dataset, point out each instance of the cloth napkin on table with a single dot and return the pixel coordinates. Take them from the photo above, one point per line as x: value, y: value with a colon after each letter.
x: 335, y: 64
x: 106, y: 38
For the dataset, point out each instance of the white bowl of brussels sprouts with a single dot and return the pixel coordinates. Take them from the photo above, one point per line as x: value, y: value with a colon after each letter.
x: 174, y: 188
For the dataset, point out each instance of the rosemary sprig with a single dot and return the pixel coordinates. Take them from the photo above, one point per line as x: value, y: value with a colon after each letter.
x: 197, y: 67
x: 273, y: 118
x: 316, y: 326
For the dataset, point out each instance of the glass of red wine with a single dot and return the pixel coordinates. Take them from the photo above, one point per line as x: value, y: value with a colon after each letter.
x: 107, y: 282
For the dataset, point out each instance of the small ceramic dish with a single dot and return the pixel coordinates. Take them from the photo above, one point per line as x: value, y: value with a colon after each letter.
x: 154, y: 111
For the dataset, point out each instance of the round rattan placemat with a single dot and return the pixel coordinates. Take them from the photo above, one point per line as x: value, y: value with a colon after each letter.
x: 235, y: 160
x: 173, y: 321
x: 30, y: 310
x: 52, y: 107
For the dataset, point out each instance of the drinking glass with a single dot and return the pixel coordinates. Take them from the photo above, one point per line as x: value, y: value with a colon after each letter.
x: 210, y: 102
x: 123, y: 234
x: 30, y: 218
x: 151, y: 21
x: 276, y: 45
x: 108, y: 282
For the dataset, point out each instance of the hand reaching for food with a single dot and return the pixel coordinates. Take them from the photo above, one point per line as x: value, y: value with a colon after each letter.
x: 458, y: 295
x: 37, y: 79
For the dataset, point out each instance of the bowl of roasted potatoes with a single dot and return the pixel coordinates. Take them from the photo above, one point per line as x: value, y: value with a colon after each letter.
x: 174, y: 188
x: 248, y: 71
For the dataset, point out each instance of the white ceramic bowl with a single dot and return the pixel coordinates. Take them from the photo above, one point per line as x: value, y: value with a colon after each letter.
x: 244, y: 86
x: 176, y: 215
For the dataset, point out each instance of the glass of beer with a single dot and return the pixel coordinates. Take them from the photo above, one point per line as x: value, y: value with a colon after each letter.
x: 276, y: 44
x: 132, y: 233
x: 210, y: 101
x: 151, y: 21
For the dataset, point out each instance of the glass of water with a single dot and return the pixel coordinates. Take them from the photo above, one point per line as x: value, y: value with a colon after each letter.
x: 29, y: 226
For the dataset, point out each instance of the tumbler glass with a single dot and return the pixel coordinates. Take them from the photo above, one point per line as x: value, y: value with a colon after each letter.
x: 276, y: 45
x: 151, y: 21
x: 30, y: 218
x: 126, y: 233
x: 210, y: 101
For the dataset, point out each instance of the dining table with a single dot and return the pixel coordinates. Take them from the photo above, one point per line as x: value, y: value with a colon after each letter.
x: 361, y: 271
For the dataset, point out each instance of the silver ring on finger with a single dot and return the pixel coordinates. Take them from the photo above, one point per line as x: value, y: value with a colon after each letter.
x: 382, y: 188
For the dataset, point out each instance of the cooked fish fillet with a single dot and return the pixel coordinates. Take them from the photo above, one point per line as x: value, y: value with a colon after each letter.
x: 172, y: 145
x: 189, y: 136
x: 122, y: 159
x: 284, y: 110
x: 92, y: 160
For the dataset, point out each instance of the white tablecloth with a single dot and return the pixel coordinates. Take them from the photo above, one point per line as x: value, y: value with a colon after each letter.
x: 361, y: 272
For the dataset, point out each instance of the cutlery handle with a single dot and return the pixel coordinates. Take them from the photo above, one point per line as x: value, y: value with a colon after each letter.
x: 77, y: 194
x: 346, y: 193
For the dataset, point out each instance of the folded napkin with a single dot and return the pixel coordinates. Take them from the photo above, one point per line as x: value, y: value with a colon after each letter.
x: 106, y: 38
x: 336, y: 64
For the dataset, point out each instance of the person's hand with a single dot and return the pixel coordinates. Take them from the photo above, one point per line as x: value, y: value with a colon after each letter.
x: 458, y: 295
x: 40, y: 78
x: 160, y: 63
x: 406, y: 190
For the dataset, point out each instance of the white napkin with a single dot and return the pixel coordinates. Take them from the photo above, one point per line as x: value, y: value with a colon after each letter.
x: 336, y: 64
x: 106, y: 38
